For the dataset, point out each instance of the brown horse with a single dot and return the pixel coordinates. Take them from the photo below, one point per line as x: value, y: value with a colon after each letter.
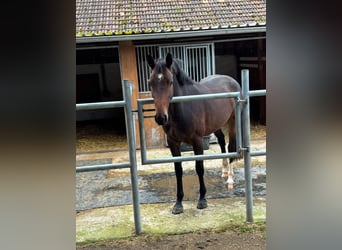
x: 191, y: 120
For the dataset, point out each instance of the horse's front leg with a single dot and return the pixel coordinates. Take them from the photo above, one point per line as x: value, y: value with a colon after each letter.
x: 198, y: 150
x: 175, y: 151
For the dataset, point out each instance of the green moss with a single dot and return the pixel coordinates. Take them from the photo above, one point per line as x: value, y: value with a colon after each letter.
x: 98, y: 33
x: 105, y: 233
x: 117, y: 222
x: 89, y: 33
x: 123, y: 22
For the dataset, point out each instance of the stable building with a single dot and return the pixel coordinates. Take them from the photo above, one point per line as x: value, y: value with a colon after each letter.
x: 113, y: 39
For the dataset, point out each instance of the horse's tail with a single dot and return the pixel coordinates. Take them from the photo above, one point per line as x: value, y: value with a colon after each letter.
x: 232, y: 130
x: 229, y: 129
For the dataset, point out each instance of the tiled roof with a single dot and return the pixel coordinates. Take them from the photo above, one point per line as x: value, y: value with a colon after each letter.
x: 126, y: 17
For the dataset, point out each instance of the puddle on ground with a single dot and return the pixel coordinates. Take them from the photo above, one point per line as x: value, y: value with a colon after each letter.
x: 95, y: 189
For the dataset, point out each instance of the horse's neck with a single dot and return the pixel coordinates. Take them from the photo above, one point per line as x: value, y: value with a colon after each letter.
x: 183, y: 86
x: 179, y: 109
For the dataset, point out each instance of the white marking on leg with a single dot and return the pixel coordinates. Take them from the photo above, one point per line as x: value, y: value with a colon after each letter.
x: 230, y: 180
x: 224, y: 168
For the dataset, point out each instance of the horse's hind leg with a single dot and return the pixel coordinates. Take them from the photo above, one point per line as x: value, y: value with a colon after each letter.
x: 222, y: 142
x: 231, y: 148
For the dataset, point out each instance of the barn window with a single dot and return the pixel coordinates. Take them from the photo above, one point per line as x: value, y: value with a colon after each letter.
x: 198, y: 60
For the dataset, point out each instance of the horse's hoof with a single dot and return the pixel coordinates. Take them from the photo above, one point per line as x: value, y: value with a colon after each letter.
x: 177, y: 209
x: 202, y: 204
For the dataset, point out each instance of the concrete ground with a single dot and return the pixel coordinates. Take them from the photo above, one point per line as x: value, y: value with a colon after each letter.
x: 222, y: 215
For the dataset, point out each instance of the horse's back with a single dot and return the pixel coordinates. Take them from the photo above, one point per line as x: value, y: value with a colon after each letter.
x: 212, y: 114
x: 221, y: 83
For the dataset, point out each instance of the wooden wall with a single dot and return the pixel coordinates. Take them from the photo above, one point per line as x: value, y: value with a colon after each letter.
x: 154, y: 134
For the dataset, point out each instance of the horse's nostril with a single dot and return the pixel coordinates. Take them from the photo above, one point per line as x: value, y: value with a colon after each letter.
x: 161, y: 119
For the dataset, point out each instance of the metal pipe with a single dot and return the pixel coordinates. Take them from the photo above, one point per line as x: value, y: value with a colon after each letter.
x: 130, y: 130
x: 100, y: 105
x: 140, y: 70
x: 142, y: 131
x: 238, y: 124
x: 204, y: 96
x: 261, y: 92
x: 195, y: 97
x: 213, y: 65
x: 102, y: 167
x: 246, y: 144
x: 190, y: 158
x: 258, y: 153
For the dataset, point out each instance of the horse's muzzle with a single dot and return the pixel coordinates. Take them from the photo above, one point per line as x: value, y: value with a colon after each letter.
x: 161, y: 119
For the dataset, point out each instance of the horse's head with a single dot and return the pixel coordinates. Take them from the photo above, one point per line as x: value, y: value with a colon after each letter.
x: 161, y: 86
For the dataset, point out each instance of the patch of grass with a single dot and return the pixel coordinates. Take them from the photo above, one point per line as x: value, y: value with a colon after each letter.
x: 157, y: 220
x: 105, y: 233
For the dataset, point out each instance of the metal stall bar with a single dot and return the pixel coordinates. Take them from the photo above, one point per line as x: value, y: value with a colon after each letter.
x: 100, y: 105
x: 130, y: 128
x: 102, y: 167
x: 175, y: 99
x: 243, y: 137
x: 258, y: 153
x: 246, y: 144
x: 260, y: 92
x: 253, y: 93
x: 238, y: 125
x: 132, y: 164
x: 191, y: 158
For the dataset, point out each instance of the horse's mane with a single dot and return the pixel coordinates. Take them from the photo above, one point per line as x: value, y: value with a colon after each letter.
x: 182, y: 77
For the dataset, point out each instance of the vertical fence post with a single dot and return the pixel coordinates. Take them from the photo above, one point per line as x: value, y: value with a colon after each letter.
x: 246, y: 145
x: 238, y: 124
x: 130, y: 131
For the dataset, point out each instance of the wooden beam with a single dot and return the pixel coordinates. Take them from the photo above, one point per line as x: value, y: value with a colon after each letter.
x: 128, y: 66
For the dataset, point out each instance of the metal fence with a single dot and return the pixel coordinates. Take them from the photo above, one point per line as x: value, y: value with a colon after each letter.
x: 126, y: 103
x: 242, y: 138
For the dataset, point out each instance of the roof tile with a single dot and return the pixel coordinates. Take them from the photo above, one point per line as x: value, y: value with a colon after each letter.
x: 108, y: 17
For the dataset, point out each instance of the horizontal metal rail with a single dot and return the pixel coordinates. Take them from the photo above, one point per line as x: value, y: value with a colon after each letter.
x: 95, y: 106
x: 242, y: 125
x: 189, y: 98
x: 130, y: 131
x: 260, y: 92
x: 190, y: 158
x: 102, y: 167
x: 258, y: 153
x: 100, y: 105
x: 177, y: 99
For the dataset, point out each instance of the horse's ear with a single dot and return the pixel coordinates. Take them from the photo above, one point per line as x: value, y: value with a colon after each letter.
x: 168, y: 60
x: 150, y: 61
